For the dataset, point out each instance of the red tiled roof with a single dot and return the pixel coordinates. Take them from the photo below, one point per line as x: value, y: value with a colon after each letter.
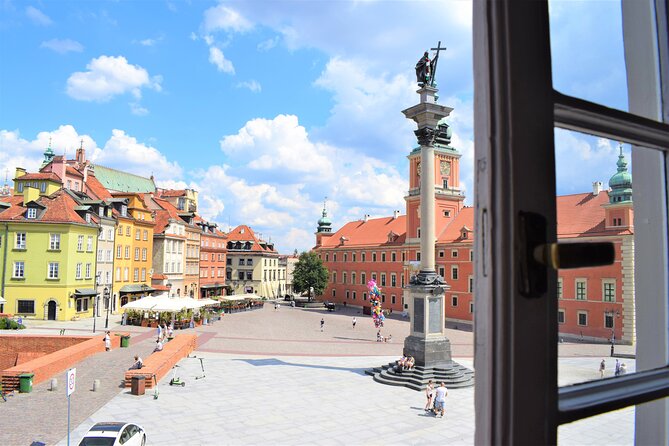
x: 582, y: 215
x: 452, y: 232
x: 74, y: 172
x: 158, y: 277
x: 40, y: 176
x: 94, y: 186
x: 59, y: 209
x: 371, y: 232
x: 173, y: 193
x: 160, y: 287
x: 163, y: 215
x: 244, y: 233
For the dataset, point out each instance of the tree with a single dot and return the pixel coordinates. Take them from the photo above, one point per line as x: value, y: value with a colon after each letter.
x: 310, y: 273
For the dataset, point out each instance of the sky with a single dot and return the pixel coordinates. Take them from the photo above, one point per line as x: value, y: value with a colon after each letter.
x: 267, y: 107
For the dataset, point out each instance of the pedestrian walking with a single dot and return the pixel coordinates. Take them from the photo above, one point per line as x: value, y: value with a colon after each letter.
x: 429, y: 394
x: 602, y: 367
x: 440, y: 399
x: 107, y: 342
x: 322, y: 323
x: 617, y: 369
x: 354, y: 321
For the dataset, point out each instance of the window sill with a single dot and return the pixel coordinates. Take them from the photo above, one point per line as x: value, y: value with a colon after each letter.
x: 53, y: 250
x: 53, y: 279
x: 19, y: 249
x: 19, y: 278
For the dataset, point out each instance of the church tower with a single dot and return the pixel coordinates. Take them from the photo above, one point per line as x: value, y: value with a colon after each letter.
x: 324, y: 229
x: 448, y: 197
x: 48, y: 155
x: 620, y: 209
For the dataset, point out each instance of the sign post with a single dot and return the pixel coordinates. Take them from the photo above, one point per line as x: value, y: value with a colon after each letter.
x: 71, y: 380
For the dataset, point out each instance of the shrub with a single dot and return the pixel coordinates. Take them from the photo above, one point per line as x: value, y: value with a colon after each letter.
x: 13, y: 325
x: 3, y: 323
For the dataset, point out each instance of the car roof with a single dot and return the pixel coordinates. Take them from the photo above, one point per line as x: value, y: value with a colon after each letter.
x: 109, y: 426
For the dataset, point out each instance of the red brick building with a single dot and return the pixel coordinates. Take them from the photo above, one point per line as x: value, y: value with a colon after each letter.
x: 593, y: 303
x: 213, y: 255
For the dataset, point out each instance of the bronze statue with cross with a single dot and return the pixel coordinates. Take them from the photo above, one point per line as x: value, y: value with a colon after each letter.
x: 426, y: 69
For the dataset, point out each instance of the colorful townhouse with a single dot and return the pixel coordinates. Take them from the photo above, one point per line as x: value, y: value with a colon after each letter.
x: 192, y: 255
x: 213, y: 256
x: 169, y: 246
x: 49, y: 245
x: 253, y: 264
x: 593, y: 303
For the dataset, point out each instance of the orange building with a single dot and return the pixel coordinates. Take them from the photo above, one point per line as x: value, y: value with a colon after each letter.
x: 593, y: 303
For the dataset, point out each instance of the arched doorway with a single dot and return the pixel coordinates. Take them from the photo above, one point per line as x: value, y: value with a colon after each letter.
x: 51, y: 310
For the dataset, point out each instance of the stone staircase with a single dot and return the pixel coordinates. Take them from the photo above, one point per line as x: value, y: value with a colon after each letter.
x: 453, y: 375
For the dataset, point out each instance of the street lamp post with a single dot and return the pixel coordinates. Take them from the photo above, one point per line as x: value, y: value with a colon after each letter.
x: 105, y: 293
x: 95, y: 299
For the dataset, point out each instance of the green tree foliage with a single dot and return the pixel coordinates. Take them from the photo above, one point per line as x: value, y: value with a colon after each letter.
x: 309, y: 272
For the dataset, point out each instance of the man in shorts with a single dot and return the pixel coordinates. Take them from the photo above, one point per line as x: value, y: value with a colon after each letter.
x: 440, y: 399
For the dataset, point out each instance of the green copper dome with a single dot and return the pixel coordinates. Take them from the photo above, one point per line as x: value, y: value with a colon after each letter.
x: 324, y: 222
x: 621, y: 182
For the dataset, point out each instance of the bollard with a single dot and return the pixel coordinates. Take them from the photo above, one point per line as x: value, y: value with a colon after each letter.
x: 96, y: 385
x: 54, y: 384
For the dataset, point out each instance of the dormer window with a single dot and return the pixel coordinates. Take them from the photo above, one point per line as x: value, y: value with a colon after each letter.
x: 88, y: 217
x: 464, y: 234
x: 20, y: 186
x: 124, y: 210
x: 31, y: 213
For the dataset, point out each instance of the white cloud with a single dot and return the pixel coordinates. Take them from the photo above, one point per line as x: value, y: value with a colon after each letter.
x: 217, y: 58
x: 268, y: 44
x: 224, y: 18
x: 108, y: 76
x: 138, y: 110
x: 252, y: 85
x: 63, y: 46
x: 150, y: 42
x: 124, y: 152
x: 38, y: 17
x: 16, y: 151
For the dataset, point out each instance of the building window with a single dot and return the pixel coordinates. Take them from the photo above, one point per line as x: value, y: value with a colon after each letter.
x: 118, y: 274
x: 441, y: 253
x: 374, y: 277
x: 418, y: 257
x: 353, y: 257
x: 392, y: 299
x: 19, y: 270
x: 249, y: 275
x: 348, y: 294
x: 363, y: 278
x: 334, y: 277
x: 352, y: 278
x: 454, y: 301
x: 20, y: 240
x: 383, y: 279
x: 373, y: 257
x: 345, y: 257
x: 582, y: 318
x: 364, y: 296
x: 120, y: 229
x: 354, y: 295
x: 145, y: 235
x: 80, y: 243
x: 608, y: 321
x: 383, y: 256
x: 241, y: 262
x: 127, y: 251
x: 393, y: 256
x: 144, y: 254
x: 334, y: 257
x: 343, y: 277
x: 119, y: 250
x: 25, y: 306
x: 363, y: 256
x: 249, y: 262
x: 446, y: 213
x: 135, y: 275
x: 470, y: 288
x: 31, y: 213
x: 471, y: 255
x: 559, y: 290
x: 136, y: 253
x: 241, y: 275
x: 393, y: 280
x: 77, y: 273
x: 402, y: 280
x: 442, y: 271
x: 100, y: 255
x: 454, y: 253
x: 383, y: 298
x: 54, y: 242
x: 454, y: 273
x: 88, y: 270
x: 126, y: 274
x: 127, y: 231
x: 609, y: 290
x: 560, y: 316
x: 327, y: 257
x: 581, y: 289
x: 471, y: 307
x: 82, y: 304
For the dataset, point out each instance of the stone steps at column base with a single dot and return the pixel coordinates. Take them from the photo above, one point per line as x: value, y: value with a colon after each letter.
x: 454, y: 376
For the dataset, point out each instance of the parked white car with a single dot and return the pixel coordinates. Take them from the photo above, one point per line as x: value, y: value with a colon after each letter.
x: 114, y: 434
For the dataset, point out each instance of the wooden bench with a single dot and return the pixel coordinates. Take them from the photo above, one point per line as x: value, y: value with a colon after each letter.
x: 158, y: 364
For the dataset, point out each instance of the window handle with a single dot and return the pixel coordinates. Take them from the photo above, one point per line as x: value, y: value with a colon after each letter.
x: 575, y: 255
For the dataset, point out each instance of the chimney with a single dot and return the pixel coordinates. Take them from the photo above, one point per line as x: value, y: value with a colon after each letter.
x: 365, y: 218
x: 30, y: 194
x: 396, y: 214
x: 20, y: 171
x: 597, y: 187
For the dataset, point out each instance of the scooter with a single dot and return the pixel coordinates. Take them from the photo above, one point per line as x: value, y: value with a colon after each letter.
x: 201, y: 365
x: 155, y: 387
x: 176, y: 381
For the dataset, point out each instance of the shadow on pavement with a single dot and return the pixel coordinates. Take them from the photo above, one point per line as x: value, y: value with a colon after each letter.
x: 274, y: 362
x: 354, y: 339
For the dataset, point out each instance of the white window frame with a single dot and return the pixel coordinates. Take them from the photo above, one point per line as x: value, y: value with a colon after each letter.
x: 31, y: 213
x: 584, y: 281
x: 21, y: 241
x: 77, y: 270
x: 19, y: 270
x: 54, y: 242
x: 80, y: 243
x: 606, y: 282
x: 53, y: 270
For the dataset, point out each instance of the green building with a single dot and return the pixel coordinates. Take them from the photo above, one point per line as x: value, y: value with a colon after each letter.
x: 48, y: 245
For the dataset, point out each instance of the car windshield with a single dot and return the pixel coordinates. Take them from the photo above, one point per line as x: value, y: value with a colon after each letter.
x: 97, y: 441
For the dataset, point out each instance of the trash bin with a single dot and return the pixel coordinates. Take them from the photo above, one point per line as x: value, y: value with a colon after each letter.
x: 125, y: 340
x: 137, y: 385
x: 26, y: 382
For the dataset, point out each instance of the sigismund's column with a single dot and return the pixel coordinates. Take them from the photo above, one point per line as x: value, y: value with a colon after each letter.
x: 427, y: 342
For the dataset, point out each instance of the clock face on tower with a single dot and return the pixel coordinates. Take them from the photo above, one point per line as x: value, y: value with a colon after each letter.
x: 445, y: 167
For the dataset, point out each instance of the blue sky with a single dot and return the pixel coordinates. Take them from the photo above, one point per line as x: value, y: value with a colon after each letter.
x: 266, y: 107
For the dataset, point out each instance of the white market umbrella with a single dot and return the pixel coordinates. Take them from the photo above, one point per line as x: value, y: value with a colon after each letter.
x: 208, y: 302
x: 145, y: 303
